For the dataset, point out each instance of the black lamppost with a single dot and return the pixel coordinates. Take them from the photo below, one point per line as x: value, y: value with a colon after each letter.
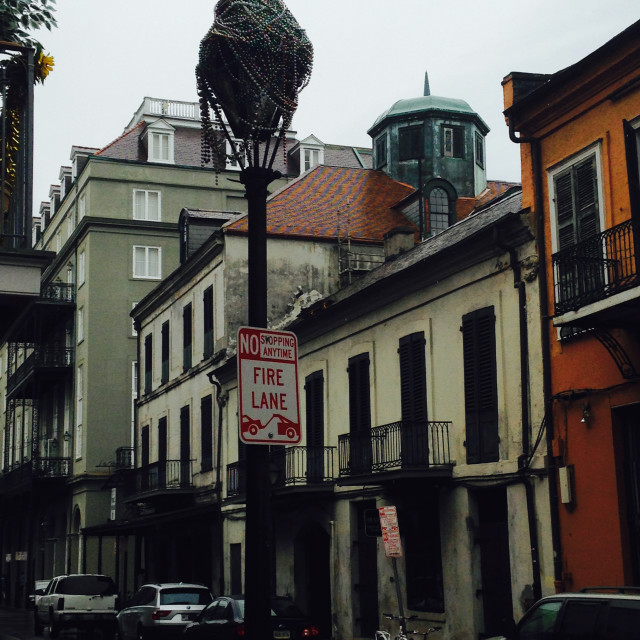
x: 253, y: 63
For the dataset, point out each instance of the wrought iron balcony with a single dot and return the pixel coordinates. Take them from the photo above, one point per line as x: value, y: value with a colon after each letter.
x: 21, y: 475
x: 421, y: 448
x: 163, y: 477
x: 58, y: 292
x: 124, y: 458
x: 296, y: 466
x: 596, y: 269
x: 42, y: 357
x: 52, y: 467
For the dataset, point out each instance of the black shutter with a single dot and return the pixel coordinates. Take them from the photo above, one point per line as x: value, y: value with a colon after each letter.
x: 633, y: 170
x: 411, y: 143
x: 413, y: 378
x: 162, y: 452
x: 185, y: 446
x: 586, y: 198
x: 458, y: 142
x: 314, y: 394
x: 206, y: 433
x: 359, y: 394
x: 148, y: 362
x: 564, y: 210
x: 144, y: 447
x: 480, y: 386
x: 207, y: 321
x: 165, y: 352
x: 186, y: 337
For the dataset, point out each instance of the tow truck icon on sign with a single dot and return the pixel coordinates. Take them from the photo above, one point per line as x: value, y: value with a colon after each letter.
x: 284, y: 427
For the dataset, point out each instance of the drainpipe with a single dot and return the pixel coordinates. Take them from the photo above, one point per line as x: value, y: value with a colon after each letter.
x: 218, y: 488
x: 536, y: 166
x: 520, y: 285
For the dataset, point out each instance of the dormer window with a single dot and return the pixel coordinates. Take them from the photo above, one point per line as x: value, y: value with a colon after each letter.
x: 311, y: 158
x: 159, y: 137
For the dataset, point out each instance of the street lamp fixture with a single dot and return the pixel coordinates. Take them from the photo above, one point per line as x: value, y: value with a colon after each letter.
x: 253, y: 62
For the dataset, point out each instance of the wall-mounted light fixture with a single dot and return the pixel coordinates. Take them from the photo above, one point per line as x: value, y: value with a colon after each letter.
x: 586, y: 414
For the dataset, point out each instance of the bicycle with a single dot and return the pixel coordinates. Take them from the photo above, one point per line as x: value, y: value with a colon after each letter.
x: 402, y: 630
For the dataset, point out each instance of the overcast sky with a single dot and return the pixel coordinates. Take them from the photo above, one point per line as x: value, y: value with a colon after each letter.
x: 110, y: 54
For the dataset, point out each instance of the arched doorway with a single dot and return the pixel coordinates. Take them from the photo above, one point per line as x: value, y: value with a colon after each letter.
x: 312, y: 575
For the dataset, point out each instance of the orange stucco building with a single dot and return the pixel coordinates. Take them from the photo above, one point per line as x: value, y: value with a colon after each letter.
x: 579, y: 134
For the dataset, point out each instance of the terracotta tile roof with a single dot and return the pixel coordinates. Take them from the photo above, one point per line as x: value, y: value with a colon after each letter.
x: 495, y: 188
x: 330, y: 202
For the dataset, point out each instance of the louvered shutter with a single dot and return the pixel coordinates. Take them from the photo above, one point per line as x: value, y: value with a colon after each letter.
x: 314, y: 394
x: 564, y: 210
x: 480, y: 386
x: 633, y: 170
x: 359, y: 398
x: 586, y: 199
x: 413, y: 378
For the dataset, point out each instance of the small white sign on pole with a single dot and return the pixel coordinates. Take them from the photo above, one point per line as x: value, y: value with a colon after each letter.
x: 268, y: 386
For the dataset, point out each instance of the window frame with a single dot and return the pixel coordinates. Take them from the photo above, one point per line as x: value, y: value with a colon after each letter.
x: 143, y: 213
x: 457, y: 142
x: 381, y: 146
x: 479, y: 149
x: 81, y: 267
x: 147, y: 250
x: 411, y: 142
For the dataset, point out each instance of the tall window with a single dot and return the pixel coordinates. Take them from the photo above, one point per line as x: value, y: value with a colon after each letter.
x: 452, y: 141
x: 187, y: 337
x: 411, y: 143
x: 314, y: 397
x: 413, y: 399
x: 81, y: 268
x: 164, y: 373
x: 479, y: 150
x: 206, y: 433
x: 146, y: 205
x: 144, y: 447
x: 79, y: 411
x: 162, y: 451
x: 439, y: 213
x: 360, y: 412
x: 82, y: 206
x: 207, y: 321
x: 148, y: 362
x: 381, y: 151
x: 80, y: 328
x: 413, y: 378
x: 480, y: 385
x: 579, y: 263
x: 185, y: 446
x: 134, y: 397
x: 146, y: 262
x: 310, y: 158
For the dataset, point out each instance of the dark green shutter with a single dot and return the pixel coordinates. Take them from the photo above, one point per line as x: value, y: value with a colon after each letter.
x: 185, y: 446
x: 165, y: 352
x: 148, y: 362
x: 206, y: 433
x: 413, y: 378
x: 186, y: 337
x: 359, y: 394
x: 207, y: 321
x: 314, y: 394
x: 480, y: 386
x: 411, y: 143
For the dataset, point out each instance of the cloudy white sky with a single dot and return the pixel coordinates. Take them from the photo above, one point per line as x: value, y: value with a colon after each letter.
x: 110, y: 54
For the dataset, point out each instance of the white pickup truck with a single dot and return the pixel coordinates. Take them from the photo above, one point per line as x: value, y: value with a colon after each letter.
x: 77, y: 601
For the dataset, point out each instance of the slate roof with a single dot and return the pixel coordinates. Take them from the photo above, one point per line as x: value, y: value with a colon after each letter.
x: 331, y: 202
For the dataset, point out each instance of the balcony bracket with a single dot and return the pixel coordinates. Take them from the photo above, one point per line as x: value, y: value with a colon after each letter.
x: 617, y: 352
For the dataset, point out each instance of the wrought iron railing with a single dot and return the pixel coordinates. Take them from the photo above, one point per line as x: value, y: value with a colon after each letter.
x: 292, y: 466
x: 58, y: 292
x: 399, y: 445
x: 596, y: 268
x: 163, y: 476
x: 124, y: 457
x: 52, y: 467
x: 40, y: 356
x: 298, y: 465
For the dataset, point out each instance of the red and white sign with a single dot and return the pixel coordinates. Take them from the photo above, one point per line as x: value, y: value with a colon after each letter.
x: 390, y: 532
x: 268, y: 386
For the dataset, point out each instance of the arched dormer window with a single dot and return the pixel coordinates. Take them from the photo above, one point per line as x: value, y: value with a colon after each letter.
x: 441, y: 198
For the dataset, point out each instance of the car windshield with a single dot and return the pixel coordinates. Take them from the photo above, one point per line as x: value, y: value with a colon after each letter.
x: 185, y: 596
x: 280, y: 607
x: 87, y: 586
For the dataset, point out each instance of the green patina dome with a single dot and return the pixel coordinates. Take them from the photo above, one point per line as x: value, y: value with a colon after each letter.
x: 429, y: 104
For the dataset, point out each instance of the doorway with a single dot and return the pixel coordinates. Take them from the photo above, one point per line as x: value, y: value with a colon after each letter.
x: 492, y: 536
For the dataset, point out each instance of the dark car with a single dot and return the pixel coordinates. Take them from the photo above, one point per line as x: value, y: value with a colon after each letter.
x: 223, y: 619
x: 611, y: 613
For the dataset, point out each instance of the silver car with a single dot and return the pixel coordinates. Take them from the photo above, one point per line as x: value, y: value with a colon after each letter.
x: 161, y: 610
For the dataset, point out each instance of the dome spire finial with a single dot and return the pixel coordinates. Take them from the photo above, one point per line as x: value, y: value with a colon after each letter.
x: 427, y: 90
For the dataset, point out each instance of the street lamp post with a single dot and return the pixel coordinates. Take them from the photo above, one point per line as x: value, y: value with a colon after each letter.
x: 253, y: 63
